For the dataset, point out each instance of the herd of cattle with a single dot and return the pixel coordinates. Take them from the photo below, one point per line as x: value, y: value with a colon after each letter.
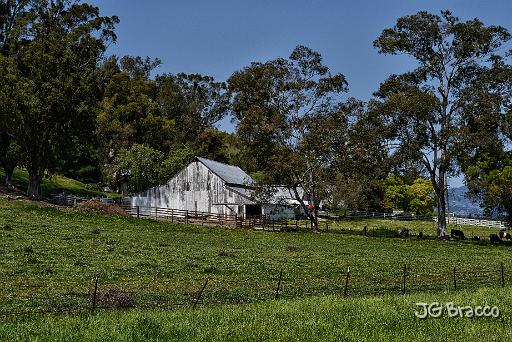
x: 503, y: 235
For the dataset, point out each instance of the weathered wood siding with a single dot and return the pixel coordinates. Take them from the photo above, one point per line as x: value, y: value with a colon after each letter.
x: 194, y: 188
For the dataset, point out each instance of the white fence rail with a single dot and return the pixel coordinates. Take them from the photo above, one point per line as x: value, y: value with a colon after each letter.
x: 461, y: 221
x: 476, y: 222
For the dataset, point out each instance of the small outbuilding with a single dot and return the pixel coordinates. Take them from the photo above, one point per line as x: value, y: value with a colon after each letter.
x: 212, y: 187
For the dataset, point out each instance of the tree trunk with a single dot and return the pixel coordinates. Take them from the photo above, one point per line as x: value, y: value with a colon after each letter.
x: 34, y: 184
x: 441, y: 205
x: 313, y: 217
x: 441, y: 216
x: 8, y: 177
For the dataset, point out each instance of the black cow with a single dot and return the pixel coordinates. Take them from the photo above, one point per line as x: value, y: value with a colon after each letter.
x: 504, y: 235
x: 476, y: 238
x: 457, y: 234
x: 494, y: 238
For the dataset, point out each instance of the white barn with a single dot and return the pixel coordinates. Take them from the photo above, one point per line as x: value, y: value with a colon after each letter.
x: 209, y: 186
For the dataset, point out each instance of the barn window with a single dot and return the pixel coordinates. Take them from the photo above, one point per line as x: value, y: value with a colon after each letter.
x: 187, y: 186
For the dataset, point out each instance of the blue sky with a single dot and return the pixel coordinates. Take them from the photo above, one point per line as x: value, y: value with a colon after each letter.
x: 219, y: 37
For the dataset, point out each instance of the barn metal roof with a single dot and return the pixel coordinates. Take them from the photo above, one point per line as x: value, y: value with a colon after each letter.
x: 229, y: 173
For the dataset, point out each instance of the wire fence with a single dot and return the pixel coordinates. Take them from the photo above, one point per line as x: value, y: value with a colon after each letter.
x: 286, y: 283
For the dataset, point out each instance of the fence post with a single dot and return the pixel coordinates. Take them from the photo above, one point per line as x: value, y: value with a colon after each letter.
x: 405, y: 275
x: 156, y: 212
x: 346, y: 282
x: 272, y: 224
x: 279, y: 284
x: 95, y: 293
x: 172, y: 215
x: 186, y: 216
x: 200, y: 294
x: 502, y: 276
x: 455, y: 278
x: 138, y: 212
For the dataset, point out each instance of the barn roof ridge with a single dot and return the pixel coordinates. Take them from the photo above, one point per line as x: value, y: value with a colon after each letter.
x: 230, y: 174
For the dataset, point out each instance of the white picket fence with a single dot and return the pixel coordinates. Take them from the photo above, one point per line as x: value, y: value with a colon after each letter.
x: 476, y: 222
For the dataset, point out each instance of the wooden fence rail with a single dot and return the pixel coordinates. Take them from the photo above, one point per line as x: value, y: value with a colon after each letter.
x: 262, y: 222
x: 197, y: 217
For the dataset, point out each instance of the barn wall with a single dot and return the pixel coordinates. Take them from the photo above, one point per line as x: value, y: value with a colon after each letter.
x: 194, y: 188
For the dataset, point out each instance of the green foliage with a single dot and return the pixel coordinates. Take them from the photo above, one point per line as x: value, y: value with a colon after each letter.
x: 489, y: 180
x: 130, y: 115
x: 395, y: 193
x: 195, y: 102
x: 420, y: 195
x: 213, y: 144
x: 177, y: 160
x: 416, y: 197
x: 140, y: 165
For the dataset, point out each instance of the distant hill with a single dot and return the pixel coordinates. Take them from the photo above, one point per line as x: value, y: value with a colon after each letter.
x: 460, y: 204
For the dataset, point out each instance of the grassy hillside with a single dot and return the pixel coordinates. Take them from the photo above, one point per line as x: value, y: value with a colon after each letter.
x: 57, y: 184
x: 389, y: 318
x: 49, y: 257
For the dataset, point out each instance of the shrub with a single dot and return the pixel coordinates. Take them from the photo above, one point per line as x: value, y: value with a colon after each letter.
x: 115, y: 298
x: 97, y: 207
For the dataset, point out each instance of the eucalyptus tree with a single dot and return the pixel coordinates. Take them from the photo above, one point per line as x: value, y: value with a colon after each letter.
x: 431, y: 107
x: 290, y: 115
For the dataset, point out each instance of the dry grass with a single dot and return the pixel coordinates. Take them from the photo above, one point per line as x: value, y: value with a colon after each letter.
x: 95, y: 206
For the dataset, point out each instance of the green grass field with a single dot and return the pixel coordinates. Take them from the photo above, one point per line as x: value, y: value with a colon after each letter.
x: 49, y: 257
x: 51, y: 253
x: 329, y: 318
x: 57, y: 184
